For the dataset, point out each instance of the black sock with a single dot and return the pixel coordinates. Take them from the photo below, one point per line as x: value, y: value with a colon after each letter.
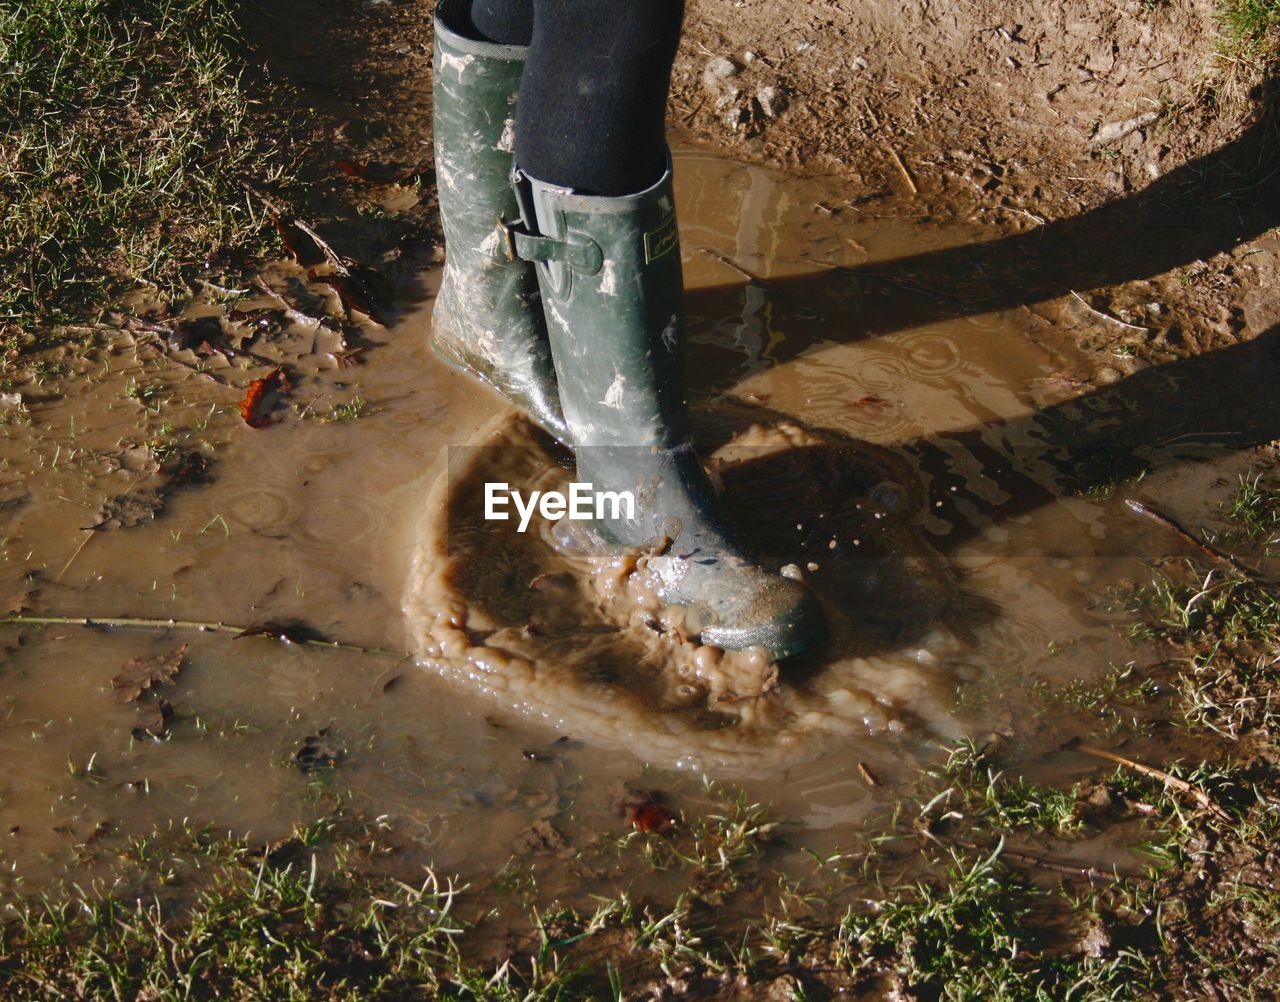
x: 591, y: 114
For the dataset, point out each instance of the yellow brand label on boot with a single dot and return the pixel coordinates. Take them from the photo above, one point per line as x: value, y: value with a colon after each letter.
x: 661, y: 240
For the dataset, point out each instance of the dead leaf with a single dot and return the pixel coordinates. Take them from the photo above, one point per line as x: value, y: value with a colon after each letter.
x: 153, y: 720
x: 304, y: 243
x: 312, y: 253
x: 646, y: 812
x: 256, y: 405
x: 652, y: 817
x: 127, y: 510
x: 141, y: 674
x: 353, y: 293
x: 23, y: 601
x: 188, y: 468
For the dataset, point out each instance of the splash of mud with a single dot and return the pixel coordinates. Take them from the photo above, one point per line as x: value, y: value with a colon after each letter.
x: 570, y: 634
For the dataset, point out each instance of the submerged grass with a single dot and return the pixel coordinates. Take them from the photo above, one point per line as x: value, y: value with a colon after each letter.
x: 126, y: 135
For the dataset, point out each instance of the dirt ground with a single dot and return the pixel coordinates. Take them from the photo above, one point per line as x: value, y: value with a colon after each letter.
x: 1112, y: 151
x: 1117, y: 166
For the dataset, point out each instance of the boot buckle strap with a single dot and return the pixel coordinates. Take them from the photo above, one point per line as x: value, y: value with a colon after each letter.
x: 581, y: 254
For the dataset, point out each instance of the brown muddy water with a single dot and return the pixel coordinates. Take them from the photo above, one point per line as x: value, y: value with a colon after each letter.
x: 868, y: 427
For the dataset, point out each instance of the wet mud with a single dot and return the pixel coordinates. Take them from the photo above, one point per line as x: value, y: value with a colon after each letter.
x: 939, y: 471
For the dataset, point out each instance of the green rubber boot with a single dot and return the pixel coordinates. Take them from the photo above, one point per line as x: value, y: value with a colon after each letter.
x: 612, y: 291
x: 487, y: 320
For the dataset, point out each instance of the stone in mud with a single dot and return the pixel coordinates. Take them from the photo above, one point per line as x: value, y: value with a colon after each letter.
x: 772, y: 101
x: 717, y: 71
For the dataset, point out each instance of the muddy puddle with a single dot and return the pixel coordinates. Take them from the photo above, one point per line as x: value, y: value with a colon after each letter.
x: 917, y: 459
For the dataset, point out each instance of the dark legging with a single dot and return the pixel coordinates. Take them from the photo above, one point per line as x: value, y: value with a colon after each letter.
x: 592, y: 106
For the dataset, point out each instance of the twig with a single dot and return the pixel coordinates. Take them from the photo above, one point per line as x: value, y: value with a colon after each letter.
x: 1038, y: 220
x: 871, y: 114
x: 73, y: 556
x: 906, y: 174
x: 867, y: 775
x: 1199, y: 795
x: 1107, y: 316
x: 1143, y: 510
x: 1075, y: 870
x: 1093, y: 873
x: 728, y: 262
x: 134, y: 622
x: 802, y: 312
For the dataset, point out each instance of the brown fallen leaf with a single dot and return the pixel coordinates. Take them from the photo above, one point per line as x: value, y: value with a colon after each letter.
x: 656, y: 818
x: 256, y: 405
x: 304, y: 243
x: 23, y: 601
x: 186, y: 469
x: 126, y: 510
x: 153, y: 720
x: 140, y: 674
x: 353, y: 293
x: 646, y: 812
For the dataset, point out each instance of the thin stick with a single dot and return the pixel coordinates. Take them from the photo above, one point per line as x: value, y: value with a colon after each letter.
x: 72, y: 560
x: 728, y: 262
x: 906, y: 174
x: 867, y: 775
x: 802, y: 312
x: 1143, y: 510
x: 1202, y: 798
x: 1107, y: 316
x: 133, y: 622
x: 1018, y: 856
x: 1093, y: 873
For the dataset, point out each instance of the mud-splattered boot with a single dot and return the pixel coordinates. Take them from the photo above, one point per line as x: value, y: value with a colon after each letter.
x: 487, y: 319
x: 612, y: 291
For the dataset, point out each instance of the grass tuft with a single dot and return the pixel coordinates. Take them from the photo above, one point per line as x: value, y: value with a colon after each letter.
x: 127, y: 135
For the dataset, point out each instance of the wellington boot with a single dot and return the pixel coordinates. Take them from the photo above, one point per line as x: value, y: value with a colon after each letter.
x: 612, y: 289
x: 487, y: 319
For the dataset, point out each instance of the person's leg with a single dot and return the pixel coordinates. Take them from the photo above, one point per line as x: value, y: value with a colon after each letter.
x: 487, y: 318
x: 593, y: 99
x: 594, y: 181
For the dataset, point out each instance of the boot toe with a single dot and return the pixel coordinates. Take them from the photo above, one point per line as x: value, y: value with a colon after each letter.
x: 783, y: 617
